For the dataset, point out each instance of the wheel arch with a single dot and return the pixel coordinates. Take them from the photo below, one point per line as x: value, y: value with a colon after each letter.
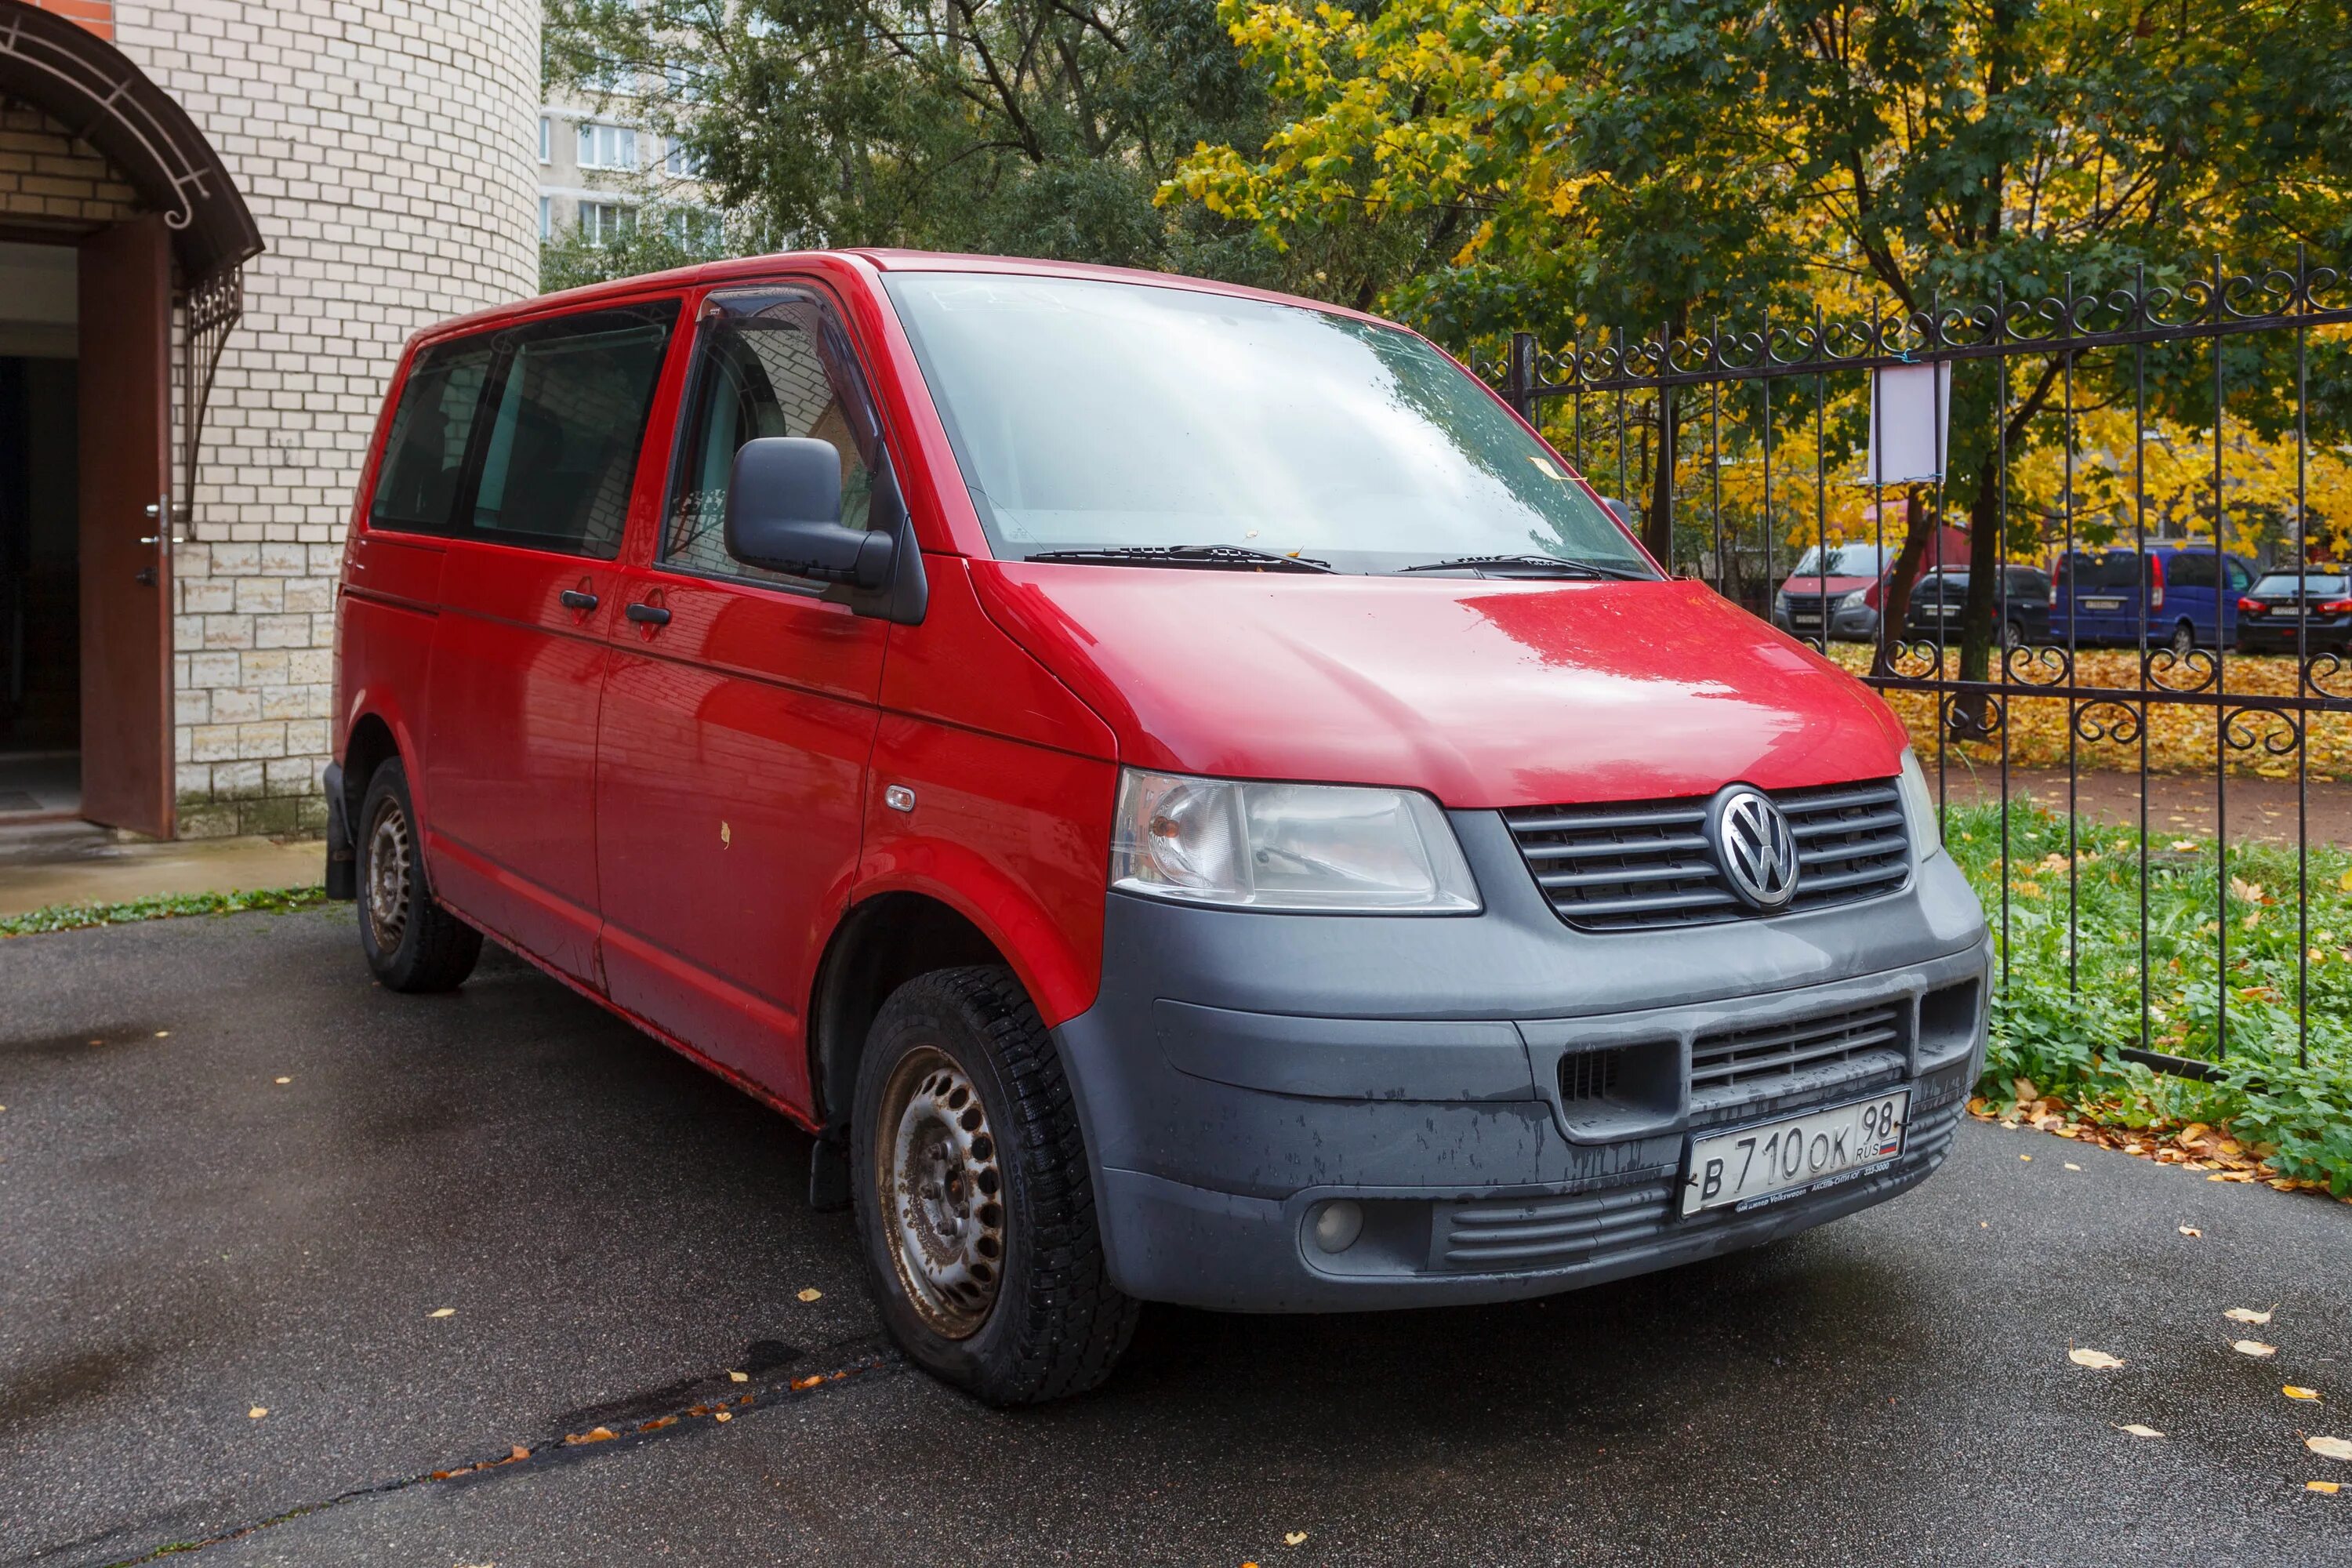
x: 881, y: 942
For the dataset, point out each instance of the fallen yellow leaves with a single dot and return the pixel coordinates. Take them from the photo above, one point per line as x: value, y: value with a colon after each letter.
x: 812, y: 1294
x: 2294, y: 1392
x: 2330, y: 1447
x: 2190, y: 1230
x: 2099, y: 1360
x: 593, y: 1434
x: 1295, y: 1538
x: 2137, y: 1430
x: 2247, y: 1315
x: 739, y: 1377
x: 2330, y: 1488
x: 515, y: 1455
x: 2254, y: 1348
x: 258, y: 1411
x: 442, y: 1312
x: 284, y: 1080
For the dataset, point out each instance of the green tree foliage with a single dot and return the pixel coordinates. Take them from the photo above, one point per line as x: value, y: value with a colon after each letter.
x: 1025, y: 127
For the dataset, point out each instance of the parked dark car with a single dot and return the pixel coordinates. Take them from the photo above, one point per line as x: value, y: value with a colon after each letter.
x: 1846, y: 586
x: 2266, y: 616
x: 2023, y: 606
x: 2187, y: 593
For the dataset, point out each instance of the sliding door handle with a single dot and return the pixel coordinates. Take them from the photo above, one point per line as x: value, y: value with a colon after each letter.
x: 574, y: 599
x: 648, y: 615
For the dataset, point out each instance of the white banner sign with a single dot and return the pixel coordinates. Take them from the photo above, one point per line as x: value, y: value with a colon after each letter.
x: 1910, y: 420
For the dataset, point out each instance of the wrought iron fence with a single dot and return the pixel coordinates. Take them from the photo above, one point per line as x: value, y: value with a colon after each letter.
x: 1690, y: 428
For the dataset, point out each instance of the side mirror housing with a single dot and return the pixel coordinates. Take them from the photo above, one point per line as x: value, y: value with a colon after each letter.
x: 783, y: 513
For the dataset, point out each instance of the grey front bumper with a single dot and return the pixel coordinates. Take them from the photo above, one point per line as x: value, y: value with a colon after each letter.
x: 1238, y: 1069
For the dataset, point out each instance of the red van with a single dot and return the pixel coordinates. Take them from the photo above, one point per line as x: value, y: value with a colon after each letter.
x: 1180, y: 791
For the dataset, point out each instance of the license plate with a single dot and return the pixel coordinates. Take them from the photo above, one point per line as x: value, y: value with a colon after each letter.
x: 2102, y: 604
x: 1753, y: 1166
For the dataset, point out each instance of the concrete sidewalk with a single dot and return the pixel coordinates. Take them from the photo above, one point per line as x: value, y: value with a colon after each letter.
x: 75, y: 863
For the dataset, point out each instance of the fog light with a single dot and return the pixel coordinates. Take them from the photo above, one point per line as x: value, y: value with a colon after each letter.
x: 1337, y: 1225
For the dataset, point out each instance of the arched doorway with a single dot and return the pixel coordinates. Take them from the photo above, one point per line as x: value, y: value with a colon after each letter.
x: 121, y: 241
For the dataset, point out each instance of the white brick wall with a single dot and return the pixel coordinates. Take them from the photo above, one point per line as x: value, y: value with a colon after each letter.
x: 389, y: 151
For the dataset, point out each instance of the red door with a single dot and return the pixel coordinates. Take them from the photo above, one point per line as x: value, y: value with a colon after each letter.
x: 519, y: 653
x: 126, y: 556
x: 738, y: 716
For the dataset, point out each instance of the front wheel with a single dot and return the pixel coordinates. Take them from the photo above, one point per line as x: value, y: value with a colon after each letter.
x: 411, y: 942
x: 975, y: 1207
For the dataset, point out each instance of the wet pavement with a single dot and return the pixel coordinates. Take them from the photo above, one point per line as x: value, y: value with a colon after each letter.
x: 185, y: 1239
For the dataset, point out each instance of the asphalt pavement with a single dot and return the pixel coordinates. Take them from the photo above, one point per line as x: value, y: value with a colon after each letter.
x: 466, y: 1225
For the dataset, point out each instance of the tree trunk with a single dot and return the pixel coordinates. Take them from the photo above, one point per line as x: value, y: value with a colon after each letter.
x: 1895, y: 606
x: 1973, y: 713
x: 1658, y: 527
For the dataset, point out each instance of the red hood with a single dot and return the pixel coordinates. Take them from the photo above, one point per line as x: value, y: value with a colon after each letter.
x: 1484, y: 693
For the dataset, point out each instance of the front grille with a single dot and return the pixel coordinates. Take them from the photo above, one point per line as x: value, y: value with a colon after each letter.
x: 1745, y: 1057
x: 1641, y: 865
x: 1588, y: 1075
x: 1546, y: 1232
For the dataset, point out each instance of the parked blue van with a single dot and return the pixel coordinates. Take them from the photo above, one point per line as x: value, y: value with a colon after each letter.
x: 2188, y: 593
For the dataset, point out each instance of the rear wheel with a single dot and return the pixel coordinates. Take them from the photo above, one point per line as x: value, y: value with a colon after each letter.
x: 2013, y: 635
x: 2184, y: 640
x: 974, y: 1201
x: 411, y: 942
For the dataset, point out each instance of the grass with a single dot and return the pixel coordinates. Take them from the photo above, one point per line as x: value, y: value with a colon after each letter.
x: 2059, y: 1032
x: 164, y: 906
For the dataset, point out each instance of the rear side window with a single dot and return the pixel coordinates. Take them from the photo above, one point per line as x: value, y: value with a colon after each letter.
x: 569, y: 406
x: 424, y: 457
x: 773, y: 362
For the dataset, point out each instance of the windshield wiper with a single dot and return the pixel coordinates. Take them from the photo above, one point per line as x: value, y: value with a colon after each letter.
x: 1533, y: 566
x: 1214, y: 557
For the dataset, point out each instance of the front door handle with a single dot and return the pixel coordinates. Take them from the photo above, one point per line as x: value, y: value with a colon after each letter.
x: 648, y: 615
x: 574, y: 599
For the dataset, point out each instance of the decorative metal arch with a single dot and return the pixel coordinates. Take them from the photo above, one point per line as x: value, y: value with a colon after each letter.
x: 93, y: 89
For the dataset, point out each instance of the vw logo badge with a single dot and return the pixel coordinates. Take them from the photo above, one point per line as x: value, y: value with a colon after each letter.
x: 1755, y: 847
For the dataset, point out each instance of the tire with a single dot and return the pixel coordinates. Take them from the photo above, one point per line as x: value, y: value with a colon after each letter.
x: 2184, y: 640
x: 975, y: 1207
x: 2013, y: 635
x: 412, y: 943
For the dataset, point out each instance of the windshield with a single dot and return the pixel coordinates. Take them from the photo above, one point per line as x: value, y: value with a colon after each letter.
x: 1088, y: 414
x: 2318, y: 582
x: 1845, y: 561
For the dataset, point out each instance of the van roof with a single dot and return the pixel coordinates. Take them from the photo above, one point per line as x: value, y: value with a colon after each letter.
x: 878, y: 260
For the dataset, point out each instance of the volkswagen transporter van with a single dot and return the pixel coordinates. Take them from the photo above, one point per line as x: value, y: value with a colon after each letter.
x: 1178, y: 790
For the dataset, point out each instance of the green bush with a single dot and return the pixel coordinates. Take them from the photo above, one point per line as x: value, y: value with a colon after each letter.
x: 2058, y: 1026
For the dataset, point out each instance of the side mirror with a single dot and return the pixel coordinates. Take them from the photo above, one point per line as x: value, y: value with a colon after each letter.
x: 783, y: 512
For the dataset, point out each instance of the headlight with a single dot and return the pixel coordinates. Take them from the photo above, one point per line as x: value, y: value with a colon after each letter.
x: 1857, y: 600
x: 1330, y: 847
x: 1919, y: 807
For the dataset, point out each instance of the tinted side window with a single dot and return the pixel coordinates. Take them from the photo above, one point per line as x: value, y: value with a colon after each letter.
x: 2192, y: 571
x: 2025, y: 583
x: 561, y: 451
x: 424, y: 456
x: 2240, y: 579
x: 773, y: 362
